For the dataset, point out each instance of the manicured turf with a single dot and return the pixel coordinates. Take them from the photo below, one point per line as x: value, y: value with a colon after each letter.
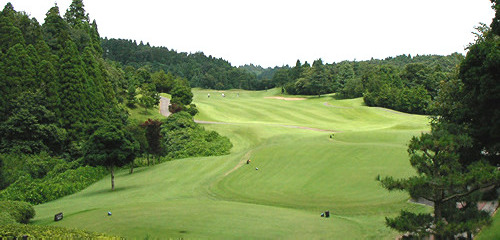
x: 301, y: 173
x: 492, y: 231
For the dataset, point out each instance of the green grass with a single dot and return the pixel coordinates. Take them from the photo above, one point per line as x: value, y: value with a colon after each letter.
x: 139, y: 115
x: 492, y: 231
x: 301, y: 174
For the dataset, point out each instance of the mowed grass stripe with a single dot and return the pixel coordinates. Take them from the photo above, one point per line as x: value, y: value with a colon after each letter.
x: 301, y: 174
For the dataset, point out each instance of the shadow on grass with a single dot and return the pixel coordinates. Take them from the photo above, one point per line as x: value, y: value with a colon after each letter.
x: 108, y: 191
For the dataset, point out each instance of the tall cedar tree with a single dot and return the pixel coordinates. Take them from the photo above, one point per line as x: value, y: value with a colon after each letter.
x: 95, y: 84
x: 55, y: 30
x: 19, y: 74
x: 319, y: 79
x: 10, y: 35
x: 75, y: 15
x: 75, y: 103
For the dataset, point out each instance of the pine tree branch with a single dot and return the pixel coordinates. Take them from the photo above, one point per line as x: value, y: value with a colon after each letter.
x: 468, y: 192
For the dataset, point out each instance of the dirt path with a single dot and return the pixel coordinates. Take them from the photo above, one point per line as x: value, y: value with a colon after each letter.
x: 240, y: 163
x: 164, y: 103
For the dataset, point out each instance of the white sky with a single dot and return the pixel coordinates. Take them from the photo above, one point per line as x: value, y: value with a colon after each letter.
x: 277, y: 32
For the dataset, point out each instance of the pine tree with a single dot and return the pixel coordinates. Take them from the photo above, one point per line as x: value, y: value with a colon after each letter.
x: 458, y: 159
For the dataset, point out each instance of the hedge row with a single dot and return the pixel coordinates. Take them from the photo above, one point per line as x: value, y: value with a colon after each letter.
x: 18, y: 231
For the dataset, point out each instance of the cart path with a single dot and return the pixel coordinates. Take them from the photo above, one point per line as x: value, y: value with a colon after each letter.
x: 164, y: 103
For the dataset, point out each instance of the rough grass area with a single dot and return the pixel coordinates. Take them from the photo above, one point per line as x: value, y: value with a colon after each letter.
x: 301, y: 173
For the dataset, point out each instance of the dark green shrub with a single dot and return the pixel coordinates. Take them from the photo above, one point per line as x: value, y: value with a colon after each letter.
x: 17, y: 231
x: 191, y: 109
x: 6, y: 218
x: 52, y: 187
x: 184, y: 138
x: 21, y: 212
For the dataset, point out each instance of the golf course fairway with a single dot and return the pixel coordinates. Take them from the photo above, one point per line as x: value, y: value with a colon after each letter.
x: 313, y: 155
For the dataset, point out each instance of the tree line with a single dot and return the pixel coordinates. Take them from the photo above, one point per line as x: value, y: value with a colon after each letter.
x: 64, y: 108
x: 200, y: 70
x: 403, y: 83
x: 55, y: 92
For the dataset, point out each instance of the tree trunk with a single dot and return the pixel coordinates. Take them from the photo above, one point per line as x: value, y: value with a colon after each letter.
x: 147, y: 157
x: 112, y: 169
x: 438, y: 235
x: 132, y: 167
x: 437, y: 211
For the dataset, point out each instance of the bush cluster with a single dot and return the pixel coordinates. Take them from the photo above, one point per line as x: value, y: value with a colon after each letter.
x: 52, y: 186
x: 184, y: 138
x: 15, y: 211
x: 15, y: 165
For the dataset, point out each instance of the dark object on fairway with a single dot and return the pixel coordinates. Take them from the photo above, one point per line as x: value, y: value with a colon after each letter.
x: 109, y: 213
x: 327, y: 214
x: 322, y: 214
x: 248, y: 161
x: 256, y: 168
x: 58, y: 217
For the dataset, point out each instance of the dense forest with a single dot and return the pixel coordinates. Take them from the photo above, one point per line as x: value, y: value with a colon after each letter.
x: 64, y: 109
x: 54, y: 91
x: 201, y: 70
x: 403, y: 83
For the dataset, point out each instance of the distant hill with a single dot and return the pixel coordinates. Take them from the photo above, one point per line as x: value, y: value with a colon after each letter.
x: 200, y: 70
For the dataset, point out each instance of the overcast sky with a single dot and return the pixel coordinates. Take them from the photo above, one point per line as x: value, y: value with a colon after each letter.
x: 277, y: 32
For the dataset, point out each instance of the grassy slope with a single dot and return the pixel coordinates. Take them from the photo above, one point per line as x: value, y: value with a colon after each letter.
x: 492, y: 231
x: 301, y: 173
